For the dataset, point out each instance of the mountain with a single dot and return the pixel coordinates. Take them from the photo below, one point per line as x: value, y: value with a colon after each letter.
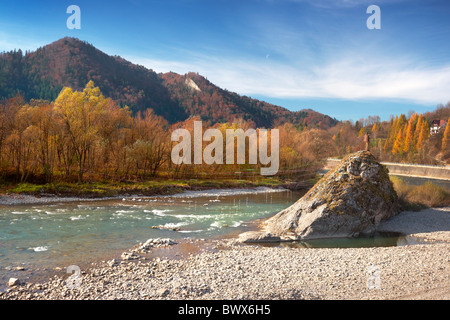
x: 72, y: 63
x: 199, y: 96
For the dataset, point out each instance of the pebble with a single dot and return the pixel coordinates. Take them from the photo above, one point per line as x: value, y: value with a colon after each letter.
x: 254, y: 272
x: 13, y: 282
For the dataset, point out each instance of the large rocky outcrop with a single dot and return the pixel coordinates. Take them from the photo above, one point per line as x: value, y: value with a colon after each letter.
x: 349, y: 200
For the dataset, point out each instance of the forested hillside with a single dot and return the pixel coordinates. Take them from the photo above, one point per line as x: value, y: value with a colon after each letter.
x: 72, y: 63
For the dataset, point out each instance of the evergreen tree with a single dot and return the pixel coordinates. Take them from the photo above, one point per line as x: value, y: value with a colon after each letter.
x: 446, y: 138
x: 423, y: 135
x: 374, y: 128
x: 361, y: 132
x: 419, y: 125
x: 397, y: 149
x: 391, y: 135
x: 409, y: 146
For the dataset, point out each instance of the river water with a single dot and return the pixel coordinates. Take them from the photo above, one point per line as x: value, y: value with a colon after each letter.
x: 46, y: 236
x: 60, y: 234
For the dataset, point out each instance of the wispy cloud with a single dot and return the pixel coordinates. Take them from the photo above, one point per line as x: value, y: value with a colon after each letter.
x: 384, y: 79
x: 345, y: 78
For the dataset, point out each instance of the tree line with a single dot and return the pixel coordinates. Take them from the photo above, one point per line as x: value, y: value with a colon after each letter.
x: 401, y: 139
x: 83, y: 136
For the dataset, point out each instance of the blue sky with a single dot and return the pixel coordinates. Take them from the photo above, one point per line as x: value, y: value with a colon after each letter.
x: 294, y: 53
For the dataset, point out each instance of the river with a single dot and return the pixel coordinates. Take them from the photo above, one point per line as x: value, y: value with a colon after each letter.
x: 61, y: 234
x: 46, y: 236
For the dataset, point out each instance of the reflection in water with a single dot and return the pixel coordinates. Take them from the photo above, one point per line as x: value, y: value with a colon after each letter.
x: 416, y: 181
x: 379, y: 239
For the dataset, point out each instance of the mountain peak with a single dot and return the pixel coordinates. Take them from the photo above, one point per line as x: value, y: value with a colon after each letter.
x: 66, y: 42
x: 71, y: 62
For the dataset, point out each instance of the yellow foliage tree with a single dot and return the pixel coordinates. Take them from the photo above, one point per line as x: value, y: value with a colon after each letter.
x: 409, y: 145
x: 419, y: 126
x: 397, y: 149
x: 374, y: 128
x: 446, y: 138
x: 424, y: 133
x: 79, y: 113
x: 361, y: 132
x: 396, y: 126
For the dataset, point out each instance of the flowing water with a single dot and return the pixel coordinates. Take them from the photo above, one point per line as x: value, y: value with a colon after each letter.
x: 58, y: 234
x: 61, y: 234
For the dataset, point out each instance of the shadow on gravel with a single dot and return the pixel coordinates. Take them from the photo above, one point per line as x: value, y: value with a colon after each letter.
x: 424, y: 221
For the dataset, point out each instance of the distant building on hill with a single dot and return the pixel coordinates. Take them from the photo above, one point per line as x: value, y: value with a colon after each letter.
x: 437, y: 126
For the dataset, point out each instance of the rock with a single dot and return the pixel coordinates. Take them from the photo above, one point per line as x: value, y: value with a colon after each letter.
x: 255, y: 236
x: 13, y: 282
x: 129, y: 256
x: 19, y: 268
x: 112, y: 262
x: 162, y: 292
x: 349, y: 200
x: 166, y: 228
x: 158, y: 242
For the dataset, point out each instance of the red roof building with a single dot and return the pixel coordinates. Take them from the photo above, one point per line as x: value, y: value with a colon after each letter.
x: 437, y: 126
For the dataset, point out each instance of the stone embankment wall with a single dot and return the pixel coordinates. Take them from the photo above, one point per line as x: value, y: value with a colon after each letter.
x: 410, y: 170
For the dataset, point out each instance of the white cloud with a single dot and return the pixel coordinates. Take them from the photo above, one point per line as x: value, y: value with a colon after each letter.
x: 342, y: 78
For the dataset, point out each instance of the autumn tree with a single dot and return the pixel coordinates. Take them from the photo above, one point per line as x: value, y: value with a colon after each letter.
x: 113, y: 126
x: 396, y: 125
x: 289, y: 152
x: 345, y: 139
x: 182, y: 168
x: 409, y: 146
x: 446, y: 141
x: 79, y: 113
x: 315, y: 145
x: 375, y: 128
x: 18, y: 143
x: 423, y: 134
x: 397, y: 148
x: 8, y: 111
x: 40, y: 132
x: 150, y: 150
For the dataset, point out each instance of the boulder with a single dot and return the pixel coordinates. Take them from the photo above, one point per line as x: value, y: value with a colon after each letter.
x: 13, y: 282
x: 349, y: 200
x: 257, y: 236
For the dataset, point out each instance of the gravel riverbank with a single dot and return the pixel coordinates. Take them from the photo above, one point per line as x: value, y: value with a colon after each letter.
x: 229, y: 270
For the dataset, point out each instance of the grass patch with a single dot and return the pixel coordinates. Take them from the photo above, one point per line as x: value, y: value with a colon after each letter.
x: 66, y: 189
x: 419, y: 197
x: 151, y: 187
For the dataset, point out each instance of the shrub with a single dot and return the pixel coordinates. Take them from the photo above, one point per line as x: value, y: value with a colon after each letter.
x: 416, y: 197
x: 430, y: 195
